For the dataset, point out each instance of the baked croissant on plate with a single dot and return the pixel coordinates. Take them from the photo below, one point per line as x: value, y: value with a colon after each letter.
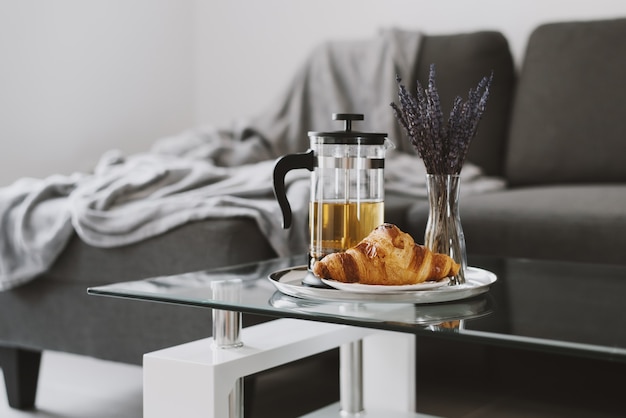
x: 386, y: 256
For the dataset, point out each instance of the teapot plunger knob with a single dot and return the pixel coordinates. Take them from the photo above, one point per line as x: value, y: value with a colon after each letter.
x: 348, y: 118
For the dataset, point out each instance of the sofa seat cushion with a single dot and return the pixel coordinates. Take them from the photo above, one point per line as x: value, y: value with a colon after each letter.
x: 575, y: 222
x: 193, y: 246
x: 120, y: 330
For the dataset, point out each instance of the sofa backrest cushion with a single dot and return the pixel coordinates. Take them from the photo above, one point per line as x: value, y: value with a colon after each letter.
x: 569, y: 115
x: 461, y: 60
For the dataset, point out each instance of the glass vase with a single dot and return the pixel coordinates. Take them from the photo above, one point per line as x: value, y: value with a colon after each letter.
x: 444, y: 233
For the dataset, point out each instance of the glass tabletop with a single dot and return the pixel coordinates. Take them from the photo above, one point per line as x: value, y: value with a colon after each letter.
x: 570, y: 308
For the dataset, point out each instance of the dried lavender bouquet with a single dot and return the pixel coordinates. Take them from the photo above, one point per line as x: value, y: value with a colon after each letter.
x: 442, y: 146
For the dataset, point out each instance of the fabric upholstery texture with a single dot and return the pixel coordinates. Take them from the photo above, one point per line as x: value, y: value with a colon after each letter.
x: 461, y: 61
x: 568, y: 117
x: 564, y: 164
x: 573, y: 222
x: 116, y: 329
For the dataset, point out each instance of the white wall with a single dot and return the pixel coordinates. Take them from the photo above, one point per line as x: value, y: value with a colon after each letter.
x: 248, y: 49
x: 79, y: 77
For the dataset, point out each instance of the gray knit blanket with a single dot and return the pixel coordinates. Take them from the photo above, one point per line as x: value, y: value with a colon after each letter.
x: 210, y: 173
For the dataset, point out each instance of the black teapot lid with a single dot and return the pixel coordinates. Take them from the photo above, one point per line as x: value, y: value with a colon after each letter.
x: 348, y: 136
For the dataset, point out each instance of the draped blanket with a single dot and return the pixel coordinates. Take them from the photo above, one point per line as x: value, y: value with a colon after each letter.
x: 216, y: 173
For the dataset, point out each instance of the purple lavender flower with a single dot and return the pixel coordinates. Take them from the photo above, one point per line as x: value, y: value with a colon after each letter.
x: 442, y: 146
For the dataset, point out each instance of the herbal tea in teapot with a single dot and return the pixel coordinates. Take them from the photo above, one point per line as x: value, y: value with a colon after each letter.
x: 337, y: 226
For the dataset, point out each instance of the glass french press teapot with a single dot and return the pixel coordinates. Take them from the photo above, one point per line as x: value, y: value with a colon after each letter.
x: 347, y: 186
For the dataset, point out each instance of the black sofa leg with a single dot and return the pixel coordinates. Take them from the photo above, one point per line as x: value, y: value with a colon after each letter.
x: 21, y: 373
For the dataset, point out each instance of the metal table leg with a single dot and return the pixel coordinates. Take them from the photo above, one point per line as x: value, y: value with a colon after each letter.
x: 227, y: 335
x: 351, y: 379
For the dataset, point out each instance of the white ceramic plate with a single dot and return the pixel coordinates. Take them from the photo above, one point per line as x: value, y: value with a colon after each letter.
x: 375, y: 288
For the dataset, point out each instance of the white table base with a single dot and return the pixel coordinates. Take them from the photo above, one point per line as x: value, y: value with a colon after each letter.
x: 197, y: 379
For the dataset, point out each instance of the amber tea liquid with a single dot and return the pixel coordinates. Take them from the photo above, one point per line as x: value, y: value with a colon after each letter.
x: 338, y: 226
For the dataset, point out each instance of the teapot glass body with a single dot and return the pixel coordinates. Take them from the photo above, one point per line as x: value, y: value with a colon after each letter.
x: 347, y: 186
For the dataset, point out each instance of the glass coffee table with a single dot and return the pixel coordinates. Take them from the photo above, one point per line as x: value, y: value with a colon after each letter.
x: 563, y: 308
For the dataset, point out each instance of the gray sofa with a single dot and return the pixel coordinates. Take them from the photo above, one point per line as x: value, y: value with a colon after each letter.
x: 555, y: 132
x: 562, y: 156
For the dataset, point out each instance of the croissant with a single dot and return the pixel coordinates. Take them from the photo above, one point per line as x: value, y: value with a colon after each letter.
x: 386, y: 256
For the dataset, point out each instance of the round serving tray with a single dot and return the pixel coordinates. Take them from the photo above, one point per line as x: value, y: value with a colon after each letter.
x: 415, y: 314
x: 290, y: 282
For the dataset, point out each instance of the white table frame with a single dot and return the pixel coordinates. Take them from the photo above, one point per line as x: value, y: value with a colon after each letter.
x: 202, y: 379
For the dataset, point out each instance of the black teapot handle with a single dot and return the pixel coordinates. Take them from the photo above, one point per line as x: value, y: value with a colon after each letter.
x: 283, y: 165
